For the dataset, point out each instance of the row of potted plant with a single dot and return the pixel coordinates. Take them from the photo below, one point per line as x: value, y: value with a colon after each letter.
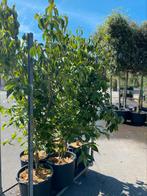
x: 58, y: 172
x: 125, y: 46
x: 137, y: 118
x: 69, y: 96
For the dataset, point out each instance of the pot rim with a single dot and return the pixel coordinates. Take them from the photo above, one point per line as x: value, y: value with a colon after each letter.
x: 74, y: 157
x: 26, y: 166
x: 22, y: 153
x: 138, y: 113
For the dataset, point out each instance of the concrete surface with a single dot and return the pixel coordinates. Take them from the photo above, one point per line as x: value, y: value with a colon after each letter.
x: 10, y: 154
x: 120, y: 169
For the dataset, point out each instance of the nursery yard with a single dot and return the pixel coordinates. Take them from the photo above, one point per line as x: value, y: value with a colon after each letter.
x: 65, y: 89
x: 120, y: 167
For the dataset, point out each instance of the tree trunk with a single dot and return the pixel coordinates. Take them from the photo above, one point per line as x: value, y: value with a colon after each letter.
x: 125, y: 93
x: 111, y: 89
x: 119, y: 98
x: 141, y: 94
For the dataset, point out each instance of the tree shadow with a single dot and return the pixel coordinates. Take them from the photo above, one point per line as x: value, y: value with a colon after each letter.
x: 96, y: 184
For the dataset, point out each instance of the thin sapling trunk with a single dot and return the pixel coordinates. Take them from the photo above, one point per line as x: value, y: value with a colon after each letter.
x: 119, y: 98
x: 141, y: 94
x: 111, y: 89
x: 125, y: 93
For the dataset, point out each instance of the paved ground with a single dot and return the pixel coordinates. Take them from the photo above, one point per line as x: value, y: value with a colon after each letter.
x: 119, y: 170
x: 10, y: 154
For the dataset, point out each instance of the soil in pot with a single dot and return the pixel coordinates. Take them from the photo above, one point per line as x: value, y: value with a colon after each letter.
x: 76, y: 144
x: 138, y: 119
x: 76, y: 147
x: 24, y: 157
x: 64, y: 169
x: 42, y: 180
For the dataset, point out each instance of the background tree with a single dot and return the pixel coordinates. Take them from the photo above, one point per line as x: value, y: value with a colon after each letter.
x: 105, y: 53
x: 117, y: 34
x: 9, y: 42
x: 141, y: 57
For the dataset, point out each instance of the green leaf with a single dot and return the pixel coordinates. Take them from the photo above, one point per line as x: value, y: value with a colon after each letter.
x: 3, y: 126
x: 13, y: 136
x: 19, y: 139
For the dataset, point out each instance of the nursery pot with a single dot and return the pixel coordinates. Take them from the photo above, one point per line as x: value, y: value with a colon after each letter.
x: 81, y: 166
x: 63, y: 173
x: 23, y: 163
x: 128, y: 115
x: 40, y: 189
x: 138, y: 119
x: 144, y: 109
x: 125, y: 114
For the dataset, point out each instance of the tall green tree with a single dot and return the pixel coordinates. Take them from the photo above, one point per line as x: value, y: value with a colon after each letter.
x: 9, y: 42
x: 105, y: 53
x: 141, y: 57
x: 117, y: 34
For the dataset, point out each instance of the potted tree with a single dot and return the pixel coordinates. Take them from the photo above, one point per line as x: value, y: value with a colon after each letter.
x: 49, y: 97
x: 93, y: 101
x: 14, y: 70
x: 80, y: 97
x: 117, y: 35
x: 139, y: 117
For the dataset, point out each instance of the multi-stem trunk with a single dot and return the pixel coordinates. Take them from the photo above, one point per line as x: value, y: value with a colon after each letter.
x: 62, y: 148
x: 125, y: 93
x: 141, y: 94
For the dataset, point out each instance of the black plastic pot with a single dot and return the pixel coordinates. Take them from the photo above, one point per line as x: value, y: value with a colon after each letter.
x: 63, y: 174
x: 41, y: 189
x: 138, y: 119
x: 144, y: 109
x: 115, y: 107
x: 23, y: 163
x: 128, y: 115
x: 124, y: 114
x: 81, y: 166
